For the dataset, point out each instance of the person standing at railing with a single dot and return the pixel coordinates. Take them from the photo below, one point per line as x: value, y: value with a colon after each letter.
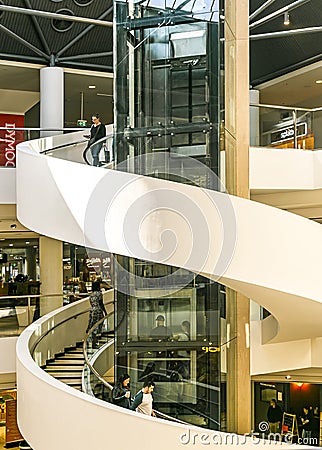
x: 97, y: 132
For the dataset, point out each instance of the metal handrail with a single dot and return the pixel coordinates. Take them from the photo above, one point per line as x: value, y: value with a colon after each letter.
x: 89, y: 147
x: 290, y: 108
x: 87, y: 361
x: 43, y: 129
x: 57, y: 325
x: 103, y: 381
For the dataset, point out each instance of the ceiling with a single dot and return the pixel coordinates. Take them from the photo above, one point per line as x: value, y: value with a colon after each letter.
x: 284, y: 69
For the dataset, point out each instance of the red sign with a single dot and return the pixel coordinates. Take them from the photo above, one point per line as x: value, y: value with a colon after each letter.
x: 9, y: 138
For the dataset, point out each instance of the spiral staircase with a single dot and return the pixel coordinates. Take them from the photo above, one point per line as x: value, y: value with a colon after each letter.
x: 246, y: 245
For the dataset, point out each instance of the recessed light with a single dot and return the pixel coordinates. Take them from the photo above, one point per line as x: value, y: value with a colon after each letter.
x: 318, y: 81
x: 27, y: 242
x: 92, y: 86
x: 288, y: 377
x: 10, y: 245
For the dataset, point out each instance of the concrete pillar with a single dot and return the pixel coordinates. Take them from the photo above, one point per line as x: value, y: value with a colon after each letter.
x: 237, y: 183
x: 51, y: 273
x: 254, y: 118
x: 51, y: 99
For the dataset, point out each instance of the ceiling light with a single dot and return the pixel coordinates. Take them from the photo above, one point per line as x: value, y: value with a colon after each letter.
x: 318, y: 81
x: 2, y: 239
x: 10, y: 245
x: 92, y: 86
x: 288, y: 377
x: 286, y: 18
x: 27, y: 242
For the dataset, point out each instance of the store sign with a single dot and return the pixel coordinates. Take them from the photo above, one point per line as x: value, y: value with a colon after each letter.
x: 211, y: 349
x: 94, y: 264
x: 9, y: 138
x: 287, y: 133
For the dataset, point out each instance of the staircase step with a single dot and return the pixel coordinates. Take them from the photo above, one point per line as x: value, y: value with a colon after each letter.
x: 65, y: 362
x: 60, y: 368
x: 67, y: 375
x: 71, y: 356
x: 74, y: 351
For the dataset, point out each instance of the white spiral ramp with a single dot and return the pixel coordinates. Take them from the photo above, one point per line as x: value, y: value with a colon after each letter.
x: 269, y: 255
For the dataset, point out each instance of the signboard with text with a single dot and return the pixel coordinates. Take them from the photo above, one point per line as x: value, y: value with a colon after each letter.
x: 9, y: 138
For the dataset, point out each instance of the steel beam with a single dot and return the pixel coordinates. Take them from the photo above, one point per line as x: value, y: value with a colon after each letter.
x: 49, y: 15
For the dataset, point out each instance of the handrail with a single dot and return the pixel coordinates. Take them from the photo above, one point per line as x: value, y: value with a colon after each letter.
x: 290, y: 108
x: 57, y: 325
x: 87, y: 361
x: 89, y: 147
x: 44, y: 129
x: 103, y: 381
x: 59, y: 147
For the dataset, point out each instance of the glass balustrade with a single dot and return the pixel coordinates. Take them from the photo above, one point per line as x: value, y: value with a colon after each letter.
x: 285, y: 127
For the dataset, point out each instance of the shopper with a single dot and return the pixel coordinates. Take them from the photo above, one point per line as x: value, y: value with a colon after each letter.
x: 97, y: 132
x: 97, y: 310
x: 274, y: 416
x: 121, y: 395
x: 160, y: 332
x: 307, y: 424
x: 143, y: 401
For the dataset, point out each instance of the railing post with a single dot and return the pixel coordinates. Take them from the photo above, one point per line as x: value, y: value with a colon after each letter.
x: 295, y: 128
x: 29, y: 311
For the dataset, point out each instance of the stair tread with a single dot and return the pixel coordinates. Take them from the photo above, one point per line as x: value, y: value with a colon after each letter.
x: 63, y: 368
x: 65, y: 375
x: 66, y: 362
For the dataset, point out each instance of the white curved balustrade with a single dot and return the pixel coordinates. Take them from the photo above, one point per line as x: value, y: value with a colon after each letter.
x: 54, y: 416
x: 269, y: 255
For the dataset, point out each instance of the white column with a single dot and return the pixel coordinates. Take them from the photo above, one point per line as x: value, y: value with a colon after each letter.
x: 51, y: 99
x: 51, y: 273
x: 254, y: 118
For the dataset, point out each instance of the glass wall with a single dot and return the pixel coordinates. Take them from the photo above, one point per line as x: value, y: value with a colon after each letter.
x: 167, y: 125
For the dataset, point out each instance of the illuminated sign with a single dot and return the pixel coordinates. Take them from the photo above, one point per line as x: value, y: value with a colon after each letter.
x: 82, y: 123
x: 287, y: 133
x: 211, y: 349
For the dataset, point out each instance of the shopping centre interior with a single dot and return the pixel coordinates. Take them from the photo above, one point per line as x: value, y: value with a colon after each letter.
x: 202, y: 219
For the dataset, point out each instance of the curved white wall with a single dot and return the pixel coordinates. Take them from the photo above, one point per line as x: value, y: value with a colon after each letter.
x: 269, y: 255
x: 251, y: 247
x: 54, y: 416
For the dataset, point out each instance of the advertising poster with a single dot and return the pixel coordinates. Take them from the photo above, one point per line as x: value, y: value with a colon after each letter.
x: 9, y: 138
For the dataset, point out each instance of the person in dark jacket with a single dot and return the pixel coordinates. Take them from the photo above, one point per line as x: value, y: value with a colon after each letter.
x: 121, y: 395
x: 97, y: 310
x: 274, y: 416
x: 98, y: 132
x: 307, y: 424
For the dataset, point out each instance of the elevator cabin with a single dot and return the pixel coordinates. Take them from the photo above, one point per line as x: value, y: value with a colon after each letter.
x: 167, y: 121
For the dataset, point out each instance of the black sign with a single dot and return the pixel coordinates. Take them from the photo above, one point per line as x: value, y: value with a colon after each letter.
x: 287, y: 133
x: 3, y: 257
